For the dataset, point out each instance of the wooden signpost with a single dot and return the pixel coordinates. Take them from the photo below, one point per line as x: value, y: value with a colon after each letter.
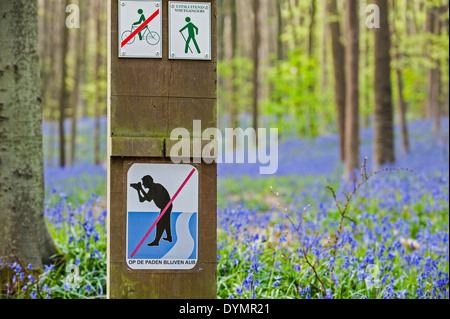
x: 162, y: 216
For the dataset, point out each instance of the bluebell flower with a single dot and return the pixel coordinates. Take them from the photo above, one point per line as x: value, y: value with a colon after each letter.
x: 48, y: 268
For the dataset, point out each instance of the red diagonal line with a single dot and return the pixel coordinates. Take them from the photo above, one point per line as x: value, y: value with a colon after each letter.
x: 162, y: 213
x: 142, y: 26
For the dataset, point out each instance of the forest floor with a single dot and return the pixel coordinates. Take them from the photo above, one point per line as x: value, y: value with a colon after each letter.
x: 277, y: 234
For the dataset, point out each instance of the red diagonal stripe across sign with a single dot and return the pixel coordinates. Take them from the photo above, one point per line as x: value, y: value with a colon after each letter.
x: 142, y: 26
x: 162, y: 213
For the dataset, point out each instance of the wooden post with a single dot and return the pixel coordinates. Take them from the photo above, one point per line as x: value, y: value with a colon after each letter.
x: 148, y: 98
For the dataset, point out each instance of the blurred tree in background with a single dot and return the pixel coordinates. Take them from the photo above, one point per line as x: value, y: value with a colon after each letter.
x: 73, y: 71
x: 301, y: 56
x: 281, y: 64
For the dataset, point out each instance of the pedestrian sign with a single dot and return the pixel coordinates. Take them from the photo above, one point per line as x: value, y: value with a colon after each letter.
x: 190, y: 30
x: 140, y: 29
x: 162, y: 216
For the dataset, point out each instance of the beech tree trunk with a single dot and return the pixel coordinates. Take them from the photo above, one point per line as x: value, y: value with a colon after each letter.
x: 97, y: 98
x: 352, y: 89
x: 338, y: 49
x: 402, y: 106
x: 256, y: 44
x: 383, y: 118
x: 64, y: 97
x: 234, y: 106
x: 435, y: 81
x: 23, y: 232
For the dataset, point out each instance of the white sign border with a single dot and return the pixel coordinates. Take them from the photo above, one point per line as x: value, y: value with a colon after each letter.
x: 209, y: 58
x: 163, y: 264
x: 126, y: 56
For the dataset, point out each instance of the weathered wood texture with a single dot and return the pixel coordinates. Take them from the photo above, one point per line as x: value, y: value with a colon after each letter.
x: 149, y: 98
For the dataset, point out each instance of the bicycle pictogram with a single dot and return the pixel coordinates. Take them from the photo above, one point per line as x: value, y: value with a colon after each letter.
x: 152, y: 37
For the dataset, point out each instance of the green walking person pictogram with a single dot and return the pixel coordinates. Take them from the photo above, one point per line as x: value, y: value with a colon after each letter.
x: 141, y: 20
x: 192, y: 31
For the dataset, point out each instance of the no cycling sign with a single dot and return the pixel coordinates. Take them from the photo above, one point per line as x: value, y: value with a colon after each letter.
x: 140, y: 29
x: 162, y: 216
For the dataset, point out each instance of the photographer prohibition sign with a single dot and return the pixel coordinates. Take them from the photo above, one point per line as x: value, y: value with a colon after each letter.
x: 161, y: 197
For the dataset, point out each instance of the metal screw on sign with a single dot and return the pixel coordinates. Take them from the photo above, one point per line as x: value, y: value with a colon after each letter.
x: 123, y: 4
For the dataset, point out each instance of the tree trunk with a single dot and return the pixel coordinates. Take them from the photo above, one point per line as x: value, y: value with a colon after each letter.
x: 433, y: 28
x: 352, y: 89
x: 79, y: 79
x: 64, y: 97
x: 74, y: 98
x: 48, y: 84
x: 97, y: 99
x: 221, y: 30
x: 339, y: 71
x: 312, y: 24
x: 383, y: 116
x: 280, y: 29
x: 435, y: 99
x: 313, y: 126
x: 402, y: 109
x: 325, y: 26
x: 401, y: 100
x: 234, y: 107
x: 22, y: 226
x: 256, y: 39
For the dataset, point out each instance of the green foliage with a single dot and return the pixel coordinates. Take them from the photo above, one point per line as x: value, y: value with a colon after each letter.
x: 236, y: 86
x: 294, y: 92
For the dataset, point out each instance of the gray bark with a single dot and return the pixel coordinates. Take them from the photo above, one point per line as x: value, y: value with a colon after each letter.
x: 339, y: 71
x: 383, y: 118
x: 64, y: 97
x: 352, y: 89
x: 256, y: 48
x: 22, y: 224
